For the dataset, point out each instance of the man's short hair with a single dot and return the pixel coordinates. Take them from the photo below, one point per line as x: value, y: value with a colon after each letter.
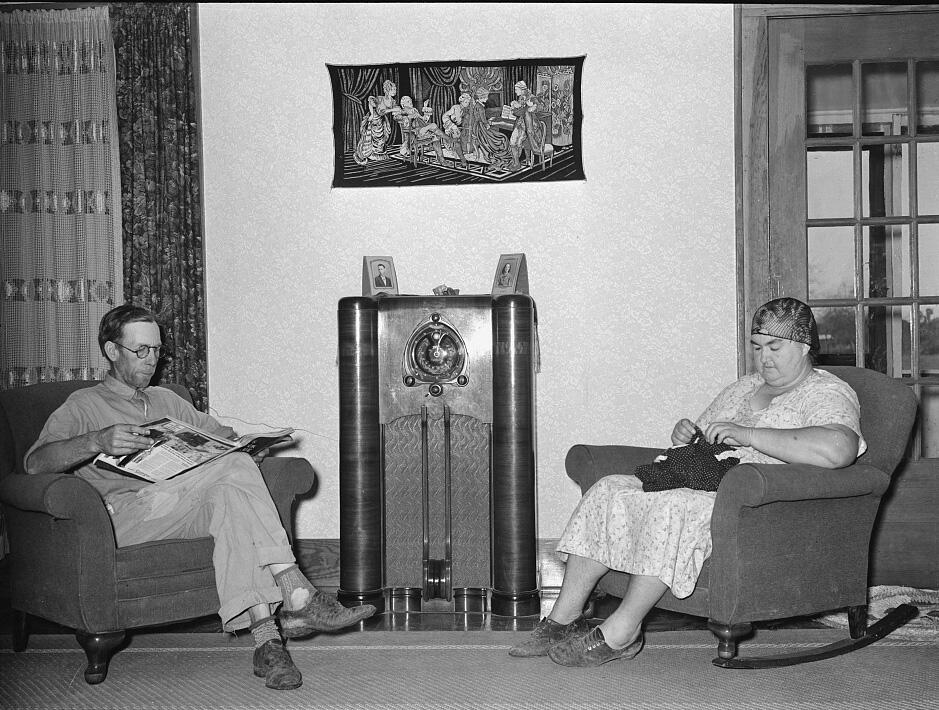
x: 113, y: 322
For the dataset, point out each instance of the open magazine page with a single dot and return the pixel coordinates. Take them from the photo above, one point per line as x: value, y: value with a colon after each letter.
x: 178, y: 447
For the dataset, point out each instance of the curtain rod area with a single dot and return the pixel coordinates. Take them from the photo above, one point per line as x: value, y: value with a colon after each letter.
x: 14, y: 6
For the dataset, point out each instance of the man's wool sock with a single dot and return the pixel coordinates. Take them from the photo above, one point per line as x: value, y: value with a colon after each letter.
x: 295, y: 587
x: 264, y: 630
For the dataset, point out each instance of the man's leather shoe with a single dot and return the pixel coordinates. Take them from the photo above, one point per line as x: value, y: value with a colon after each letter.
x: 321, y: 613
x: 273, y: 663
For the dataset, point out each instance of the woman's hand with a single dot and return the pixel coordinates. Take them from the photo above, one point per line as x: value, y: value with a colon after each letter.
x: 828, y: 446
x: 728, y: 433
x: 683, y: 432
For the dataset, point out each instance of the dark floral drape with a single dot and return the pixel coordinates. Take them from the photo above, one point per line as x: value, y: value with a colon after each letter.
x: 157, y: 112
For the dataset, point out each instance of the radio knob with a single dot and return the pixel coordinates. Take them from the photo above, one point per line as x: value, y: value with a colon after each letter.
x: 435, y: 389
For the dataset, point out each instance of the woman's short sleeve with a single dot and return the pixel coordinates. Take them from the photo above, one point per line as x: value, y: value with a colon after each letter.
x: 831, y: 401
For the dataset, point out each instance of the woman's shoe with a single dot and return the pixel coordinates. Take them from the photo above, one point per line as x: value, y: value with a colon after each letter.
x: 592, y: 650
x: 546, y: 634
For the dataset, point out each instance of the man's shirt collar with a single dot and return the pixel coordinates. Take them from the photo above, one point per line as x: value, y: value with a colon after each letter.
x: 119, y: 388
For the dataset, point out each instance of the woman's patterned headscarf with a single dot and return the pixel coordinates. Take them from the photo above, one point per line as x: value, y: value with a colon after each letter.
x: 787, y: 318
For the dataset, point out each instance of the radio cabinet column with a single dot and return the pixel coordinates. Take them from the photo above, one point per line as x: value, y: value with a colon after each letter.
x: 360, y: 484
x: 514, y: 553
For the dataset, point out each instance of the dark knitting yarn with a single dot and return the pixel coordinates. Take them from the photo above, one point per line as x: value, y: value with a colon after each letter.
x: 694, y: 466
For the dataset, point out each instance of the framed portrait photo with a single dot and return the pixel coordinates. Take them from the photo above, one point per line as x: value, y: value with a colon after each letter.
x: 378, y: 276
x: 511, y: 275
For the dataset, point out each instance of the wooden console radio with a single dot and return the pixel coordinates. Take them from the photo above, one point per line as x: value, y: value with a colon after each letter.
x: 437, y: 453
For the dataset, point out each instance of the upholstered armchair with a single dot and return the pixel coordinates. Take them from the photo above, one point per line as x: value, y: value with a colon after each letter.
x: 788, y: 540
x: 65, y: 566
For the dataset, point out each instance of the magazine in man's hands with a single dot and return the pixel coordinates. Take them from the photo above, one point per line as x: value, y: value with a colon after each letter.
x: 179, y: 447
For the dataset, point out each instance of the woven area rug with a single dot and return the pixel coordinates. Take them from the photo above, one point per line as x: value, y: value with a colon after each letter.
x: 442, y: 670
x: 883, y: 599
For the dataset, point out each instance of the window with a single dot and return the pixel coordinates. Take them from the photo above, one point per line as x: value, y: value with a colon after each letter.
x: 842, y: 208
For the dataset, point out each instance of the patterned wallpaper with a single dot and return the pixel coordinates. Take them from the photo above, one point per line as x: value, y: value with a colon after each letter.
x: 632, y: 269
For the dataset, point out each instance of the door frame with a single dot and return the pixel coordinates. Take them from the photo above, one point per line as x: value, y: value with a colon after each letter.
x: 905, y: 544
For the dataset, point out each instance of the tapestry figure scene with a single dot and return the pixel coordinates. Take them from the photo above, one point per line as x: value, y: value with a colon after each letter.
x: 457, y: 122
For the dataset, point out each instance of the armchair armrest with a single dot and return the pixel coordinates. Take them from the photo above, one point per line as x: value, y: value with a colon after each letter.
x: 59, y: 495
x: 749, y: 485
x: 68, y: 497
x: 588, y: 463
x: 290, y: 473
x: 753, y: 485
x: 287, y: 477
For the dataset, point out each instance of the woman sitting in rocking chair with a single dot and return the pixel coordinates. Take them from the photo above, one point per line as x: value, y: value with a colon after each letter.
x: 785, y: 412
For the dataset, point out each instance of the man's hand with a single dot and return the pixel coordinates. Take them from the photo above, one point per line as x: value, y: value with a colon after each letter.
x: 64, y: 455
x: 122, y: 439
x: 683, y: 432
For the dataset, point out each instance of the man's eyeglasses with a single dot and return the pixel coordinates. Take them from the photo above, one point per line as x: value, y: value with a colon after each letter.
x: 143, y: 350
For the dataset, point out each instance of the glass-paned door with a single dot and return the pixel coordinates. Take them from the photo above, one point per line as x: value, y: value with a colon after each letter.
x: 855, y: 199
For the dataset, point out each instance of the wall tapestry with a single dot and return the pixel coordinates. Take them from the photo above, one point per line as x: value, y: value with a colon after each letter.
x: 446, y: 123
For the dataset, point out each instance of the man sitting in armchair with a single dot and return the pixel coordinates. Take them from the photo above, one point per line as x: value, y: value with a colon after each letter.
x: 255, y: 568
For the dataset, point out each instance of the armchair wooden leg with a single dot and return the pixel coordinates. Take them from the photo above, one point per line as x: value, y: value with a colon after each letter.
x: 98, y: 649
x: 728, y: 635
x: 20, y: 630
x: 857, y: 621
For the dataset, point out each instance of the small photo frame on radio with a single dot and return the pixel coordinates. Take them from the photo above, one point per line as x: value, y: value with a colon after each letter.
x: 511, y: 275
x: 378, y: 276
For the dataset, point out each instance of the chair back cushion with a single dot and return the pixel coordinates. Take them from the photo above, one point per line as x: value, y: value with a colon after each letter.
x: 888, y: 410
x: 24, y: 410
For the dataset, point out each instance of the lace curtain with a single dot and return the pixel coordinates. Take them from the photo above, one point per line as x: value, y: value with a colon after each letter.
x: 60, y: 223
